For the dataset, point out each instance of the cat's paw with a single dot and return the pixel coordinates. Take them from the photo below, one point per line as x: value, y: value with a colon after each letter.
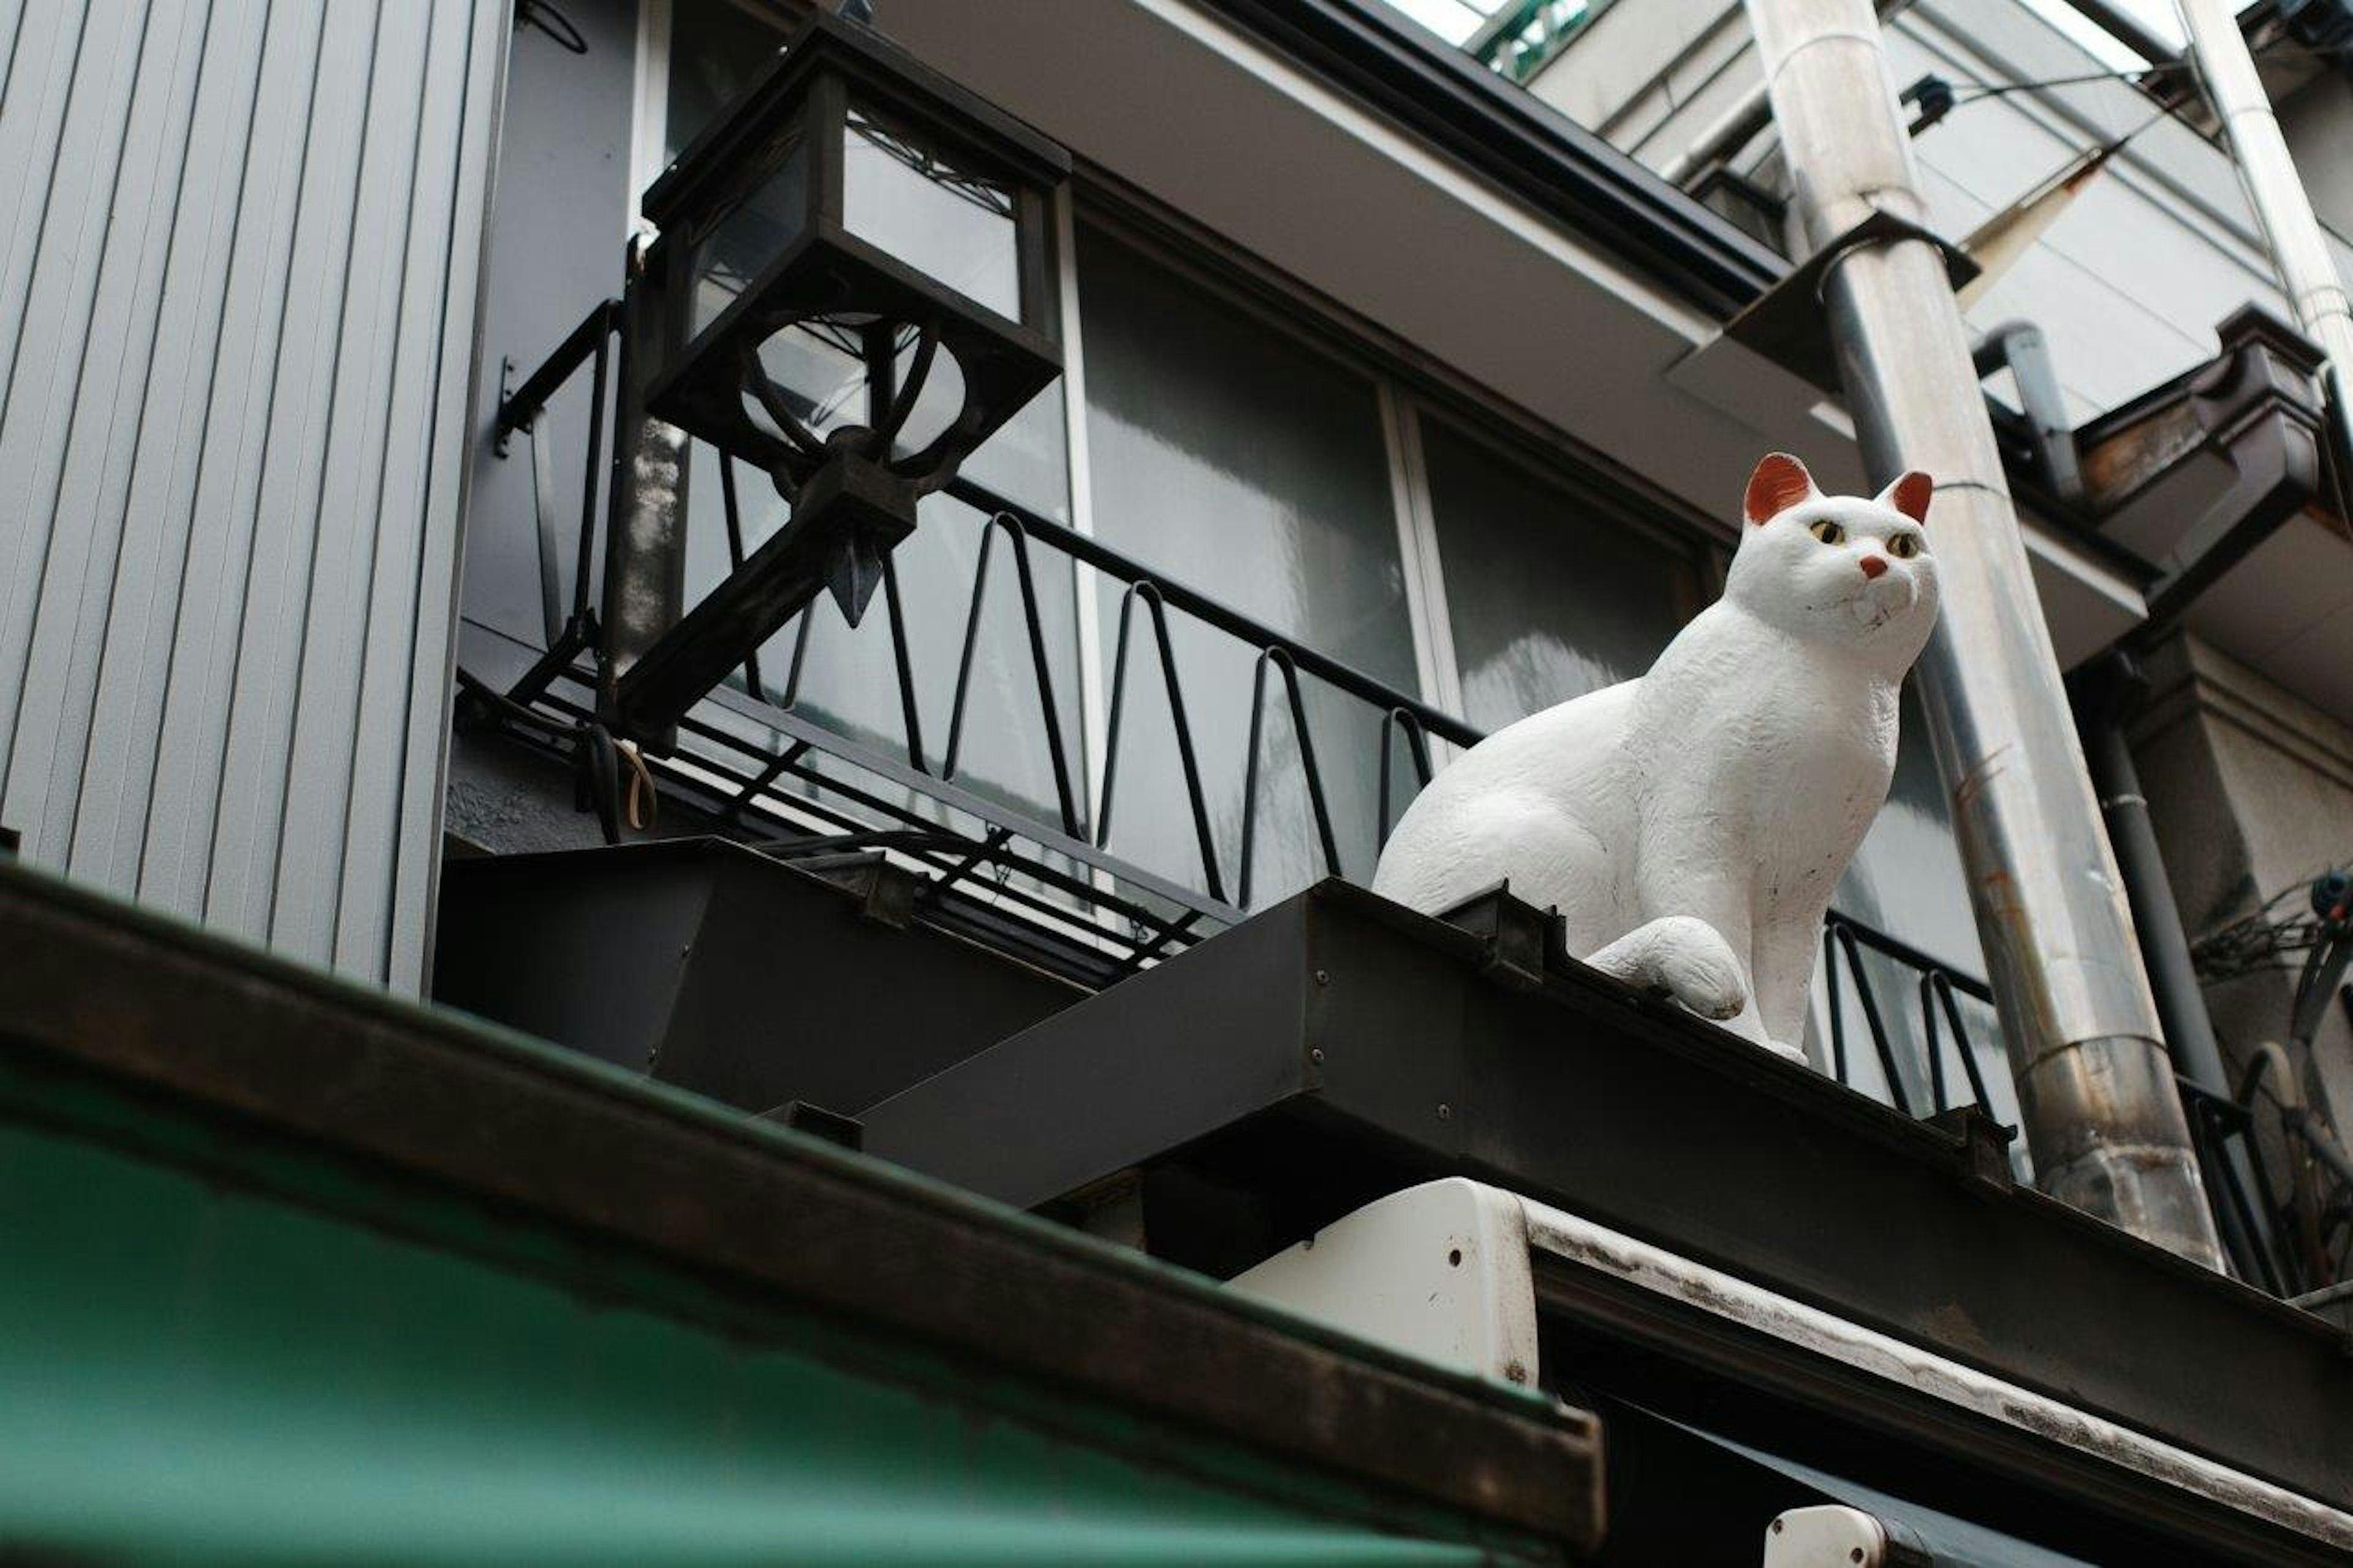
x: 1686, y: 958
x: 1795, y: 1053
x: 1706, y: 980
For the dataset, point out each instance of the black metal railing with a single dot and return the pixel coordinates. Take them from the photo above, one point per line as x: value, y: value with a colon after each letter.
x: 761, y: 760
x: 1936, y: 987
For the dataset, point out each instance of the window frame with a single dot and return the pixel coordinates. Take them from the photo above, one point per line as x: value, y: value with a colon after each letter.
x: 1701, y: 558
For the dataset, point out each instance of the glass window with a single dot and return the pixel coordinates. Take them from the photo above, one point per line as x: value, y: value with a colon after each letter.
x: 752, y: 235
x: 1239, y: 462
x: 1548, y: 597
x: 717, y: 50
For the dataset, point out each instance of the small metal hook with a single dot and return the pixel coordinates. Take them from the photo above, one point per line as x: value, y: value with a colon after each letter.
x: 538, y: 14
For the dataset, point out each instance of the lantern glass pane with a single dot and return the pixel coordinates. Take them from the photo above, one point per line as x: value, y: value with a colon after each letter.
x: 912, y: 203
x: 750, y: 236
x: 818, y: 369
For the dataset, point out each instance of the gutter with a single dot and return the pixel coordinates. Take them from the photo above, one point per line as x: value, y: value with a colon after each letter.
x: 2299, y: 249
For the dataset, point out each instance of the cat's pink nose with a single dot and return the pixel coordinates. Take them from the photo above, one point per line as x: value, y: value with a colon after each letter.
x: 1872, y: 565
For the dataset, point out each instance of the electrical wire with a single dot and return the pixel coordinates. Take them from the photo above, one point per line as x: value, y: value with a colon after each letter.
x: 2261, y: 939
x: 1983, y: 89
x: 1967, y: 90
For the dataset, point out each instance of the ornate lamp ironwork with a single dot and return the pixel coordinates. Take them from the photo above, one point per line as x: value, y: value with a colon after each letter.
x: 852, y: 291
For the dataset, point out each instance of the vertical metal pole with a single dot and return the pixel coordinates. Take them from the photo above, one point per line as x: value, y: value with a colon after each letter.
x: 644, y: 532
x: 2299, y: 249
x: 2095, y: 1086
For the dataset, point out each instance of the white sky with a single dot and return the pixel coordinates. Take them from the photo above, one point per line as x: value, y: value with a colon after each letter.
x: 1455, y: 20
x: 2156, y: 16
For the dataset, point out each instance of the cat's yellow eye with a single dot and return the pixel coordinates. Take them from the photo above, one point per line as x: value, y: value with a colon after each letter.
x: 1904, y: 546
x: 1829, y: 532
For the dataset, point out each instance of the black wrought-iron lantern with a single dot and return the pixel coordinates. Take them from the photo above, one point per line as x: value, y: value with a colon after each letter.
x: 854, y: 287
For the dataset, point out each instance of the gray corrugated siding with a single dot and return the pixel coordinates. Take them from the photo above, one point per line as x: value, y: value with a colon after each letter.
x: 238, y: 286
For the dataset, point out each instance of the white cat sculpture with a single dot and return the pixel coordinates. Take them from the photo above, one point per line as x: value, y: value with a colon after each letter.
x: 1690, y: 825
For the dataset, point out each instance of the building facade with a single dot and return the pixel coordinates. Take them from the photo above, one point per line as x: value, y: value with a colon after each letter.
x: 1403, y: 392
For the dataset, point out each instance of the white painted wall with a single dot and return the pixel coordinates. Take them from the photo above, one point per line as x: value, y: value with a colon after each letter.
x: 2128, y: 285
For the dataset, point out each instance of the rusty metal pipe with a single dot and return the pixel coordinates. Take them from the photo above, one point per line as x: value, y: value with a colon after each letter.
x: 2095, y: 1084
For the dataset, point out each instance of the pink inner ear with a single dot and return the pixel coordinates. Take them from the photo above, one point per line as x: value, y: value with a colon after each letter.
x: 1909, y: 495
x: 1779, y: 482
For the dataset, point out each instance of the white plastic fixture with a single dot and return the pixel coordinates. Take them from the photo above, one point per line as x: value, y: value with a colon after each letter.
x: 1440, y: 1270
x: 1446, y: 1271
x: 1832, y: 1535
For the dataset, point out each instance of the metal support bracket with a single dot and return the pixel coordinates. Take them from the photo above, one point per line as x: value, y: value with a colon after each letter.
x: 1519, y: 942
x: 815, y: 1120
x: 886, y: 893
x: 845, y: 520
x: 1984, y: 1148
x: 1788, y: 324
x: 500, y: 430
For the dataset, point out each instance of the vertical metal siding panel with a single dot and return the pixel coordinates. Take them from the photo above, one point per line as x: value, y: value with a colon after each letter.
x: 417, y: 863
x: 372, y: 849
x: 70, y: 625
x: 237, y: 321
x: 12, y: 26
x: 118, y: 769
x: 193, y: 734
x: 35, y: 406
x: 349, y: 520
x: 32, y: 117
x: 287, y: 524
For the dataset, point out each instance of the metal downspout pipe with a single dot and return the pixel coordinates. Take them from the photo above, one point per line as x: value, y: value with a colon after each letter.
x: 2299, y: 249
x: 2112, y: 684
x: 1738, y: 126
x: 2094, y: 1085
x: 2018, y: 347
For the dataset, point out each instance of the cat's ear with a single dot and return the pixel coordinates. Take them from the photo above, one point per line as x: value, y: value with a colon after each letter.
x: 1909, y: 495
x: 1779, y: 483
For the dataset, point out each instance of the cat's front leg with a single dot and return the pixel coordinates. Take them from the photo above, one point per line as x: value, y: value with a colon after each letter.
x: 1783, y: 978
x: 1683, y: 891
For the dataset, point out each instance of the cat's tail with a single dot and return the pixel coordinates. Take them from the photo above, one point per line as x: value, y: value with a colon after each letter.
x: 1685, y: 957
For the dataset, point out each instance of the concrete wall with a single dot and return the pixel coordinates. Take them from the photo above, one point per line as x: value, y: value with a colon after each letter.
x: 2251, y: 792
x: 237, y: 307
x: 565, y: 205
x: 2317, y: 118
